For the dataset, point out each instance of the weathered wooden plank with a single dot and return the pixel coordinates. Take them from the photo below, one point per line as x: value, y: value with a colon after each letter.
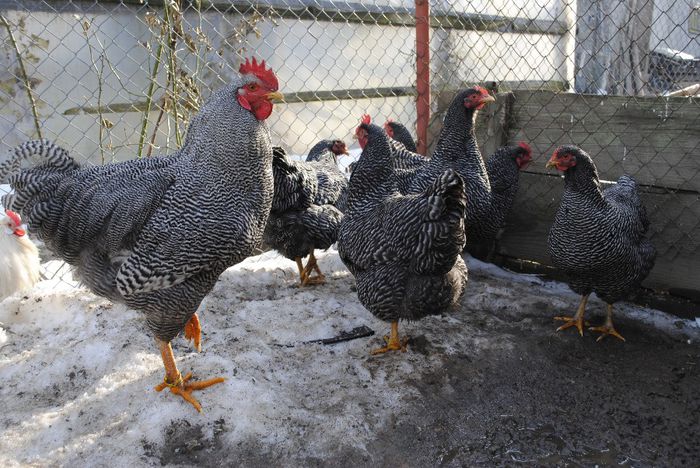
x: 656, y: 140
x: 364, y: 13
x: 289, y: 98
x: 675, y: 222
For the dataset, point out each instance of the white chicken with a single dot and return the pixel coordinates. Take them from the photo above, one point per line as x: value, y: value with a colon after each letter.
x: 19, y: 257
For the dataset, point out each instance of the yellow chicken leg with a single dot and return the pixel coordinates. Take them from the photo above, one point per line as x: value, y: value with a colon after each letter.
x: 193, y: 331
x: 607, y: 328
x: 311, y: 266
x: 393, y: 342
x: 302, y: 270
x: 576, y: 320
x: 174, y: 380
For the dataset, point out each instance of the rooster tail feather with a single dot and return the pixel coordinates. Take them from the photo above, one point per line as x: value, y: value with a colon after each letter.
x: 34, y: 188
x: 449, y: 189
x: 54, y: 155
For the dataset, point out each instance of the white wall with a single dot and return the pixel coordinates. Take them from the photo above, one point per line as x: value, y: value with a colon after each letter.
x: 306, y: 55
x: 670, y: 26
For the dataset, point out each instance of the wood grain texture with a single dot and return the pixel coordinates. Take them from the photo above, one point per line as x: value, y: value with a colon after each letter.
x: 655, y: 140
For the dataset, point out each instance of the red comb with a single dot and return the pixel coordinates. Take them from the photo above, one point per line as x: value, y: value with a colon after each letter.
x: 482, y: 90
x: 525, y: 146
x: 14, y: 217
x: 389, y: 120
x: 366, y: 119
x: 258, y: 69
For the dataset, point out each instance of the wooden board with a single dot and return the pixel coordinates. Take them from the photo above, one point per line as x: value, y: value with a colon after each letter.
x: 655, y: 140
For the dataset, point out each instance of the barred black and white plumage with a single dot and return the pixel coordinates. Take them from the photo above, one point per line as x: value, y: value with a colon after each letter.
x: 300, y: 220
x: 46, y: 150
x: 457, y: 149
x: 295, y: 233
x: 404, y: 250
x: 398, y: 131
x: 156, y: 233
x: 327, y: 150
x: 599, y: 237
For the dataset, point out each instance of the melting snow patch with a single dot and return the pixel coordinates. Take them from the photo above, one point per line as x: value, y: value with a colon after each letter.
x: 78, y: 372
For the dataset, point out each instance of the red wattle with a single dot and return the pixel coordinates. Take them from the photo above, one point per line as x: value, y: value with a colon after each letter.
x: 263, y: 110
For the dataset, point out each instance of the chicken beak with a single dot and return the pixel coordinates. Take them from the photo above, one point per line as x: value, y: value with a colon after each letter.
x: 488, y: 99
x: 276, y: 95
x: 551, y: 164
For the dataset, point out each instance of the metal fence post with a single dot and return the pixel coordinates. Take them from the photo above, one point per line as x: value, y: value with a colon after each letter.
x: 422, y: 73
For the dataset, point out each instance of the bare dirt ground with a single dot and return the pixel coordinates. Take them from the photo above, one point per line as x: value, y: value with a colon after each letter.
x: 490, y: 384
x: 535, y: 397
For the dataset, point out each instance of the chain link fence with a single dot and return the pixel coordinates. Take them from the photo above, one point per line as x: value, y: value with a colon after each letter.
x: 113, y: 80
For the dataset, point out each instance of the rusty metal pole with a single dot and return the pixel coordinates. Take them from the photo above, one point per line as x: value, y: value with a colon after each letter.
x: 422, y: 73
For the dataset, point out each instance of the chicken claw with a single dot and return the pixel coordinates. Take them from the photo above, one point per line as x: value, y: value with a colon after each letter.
x: 193, y: 331
x: 393, y: 342
x: 174, y: 380
x: 576, y: 320
x: 607, y: 328
x: 184, y: 389
x: 311, y: 266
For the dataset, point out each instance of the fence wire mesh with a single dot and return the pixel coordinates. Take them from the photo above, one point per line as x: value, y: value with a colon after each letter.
x: 114, y: 80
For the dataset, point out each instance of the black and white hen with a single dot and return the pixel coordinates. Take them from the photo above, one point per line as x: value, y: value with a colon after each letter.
x: 399, y: 132
x: 404, y: 250
x: 598, y: 237
x: 299, y: 221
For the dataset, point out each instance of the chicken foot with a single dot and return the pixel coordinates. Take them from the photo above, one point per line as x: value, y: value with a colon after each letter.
x: 302, y: 271
x: 393, y: 342
x: 179, y: 385
x: 607, y: 328
x: 576, y: 320
x: 311, y: 266
x: 193, y: 331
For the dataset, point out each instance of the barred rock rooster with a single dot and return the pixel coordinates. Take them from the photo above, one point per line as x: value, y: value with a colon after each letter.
x: 598, y: 237
x: 404, y: 250
x: 156, y: 233
x: 19, y: 257
x: 297, y: 224
x: 399, y: 132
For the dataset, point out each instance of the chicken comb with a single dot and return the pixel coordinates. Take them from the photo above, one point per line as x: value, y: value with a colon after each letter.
x: 266, y: 75
x: 525, y: 146
x: 14, y: 217
x: 482, y: 90
x: 366, y: 119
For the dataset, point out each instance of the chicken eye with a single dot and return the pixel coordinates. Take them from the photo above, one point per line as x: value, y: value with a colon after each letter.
x: 253, y: 87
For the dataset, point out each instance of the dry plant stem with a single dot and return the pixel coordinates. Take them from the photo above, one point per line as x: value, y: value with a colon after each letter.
x: 25, y: 77
x: 170, y: 26
x: 155, y: 131
x: 99, y: 72
x: 149, y: 98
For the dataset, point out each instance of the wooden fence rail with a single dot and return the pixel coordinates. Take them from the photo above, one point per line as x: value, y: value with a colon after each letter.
x: 655, y: 140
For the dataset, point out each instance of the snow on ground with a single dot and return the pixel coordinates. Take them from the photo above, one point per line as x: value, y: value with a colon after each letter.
x: 77, y: 372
